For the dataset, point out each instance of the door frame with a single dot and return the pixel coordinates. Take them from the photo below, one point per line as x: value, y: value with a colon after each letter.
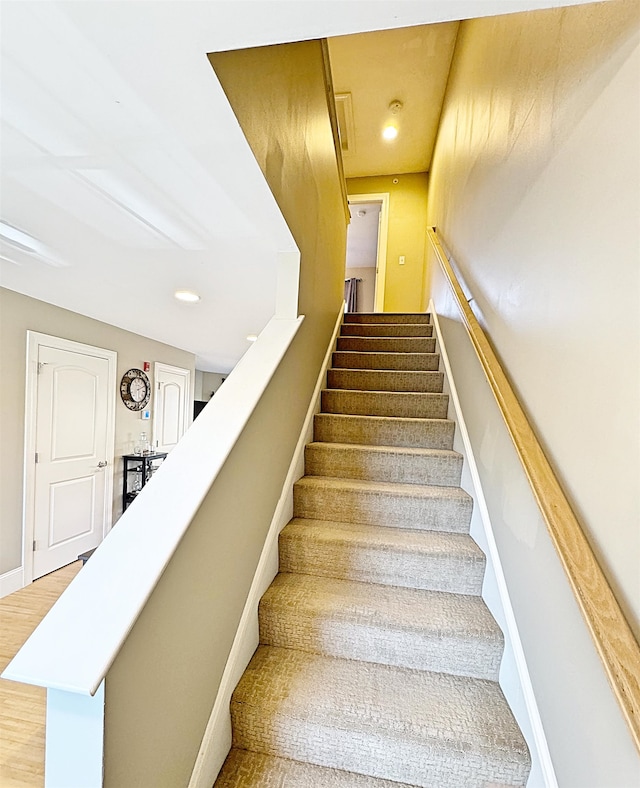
x: 383, y: 235
x: 188, y: 400
x: 35, y: 340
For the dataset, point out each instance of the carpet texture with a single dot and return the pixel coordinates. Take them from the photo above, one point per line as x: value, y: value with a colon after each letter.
x: 379, y: 661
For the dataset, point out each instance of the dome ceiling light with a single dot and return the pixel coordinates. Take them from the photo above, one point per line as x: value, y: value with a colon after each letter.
x: 390, y: 130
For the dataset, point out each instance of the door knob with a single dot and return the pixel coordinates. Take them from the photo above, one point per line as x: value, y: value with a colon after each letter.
x: 102, y: 464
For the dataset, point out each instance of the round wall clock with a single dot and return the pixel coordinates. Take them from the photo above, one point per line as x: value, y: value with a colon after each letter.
x: 135, y: 389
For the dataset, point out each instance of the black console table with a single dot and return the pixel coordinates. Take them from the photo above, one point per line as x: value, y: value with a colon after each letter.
x: 138, y: 469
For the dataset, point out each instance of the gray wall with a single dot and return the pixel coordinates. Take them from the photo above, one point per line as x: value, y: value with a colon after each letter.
x: 19, y: 314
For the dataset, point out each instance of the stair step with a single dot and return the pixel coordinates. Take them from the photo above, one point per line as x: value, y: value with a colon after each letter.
x: 384, y: 463
x: 344, y: 359
x: 384, y: 380
x: 387, y: 317
x: 406, y: 627
x: 404, y: 404
x: 384, y: 431
x: 243, y: 769
x: 386, y: 330
x: 379, y: 503
x: 387, y: 344
x: 411, y: 726
x: 432, y: 560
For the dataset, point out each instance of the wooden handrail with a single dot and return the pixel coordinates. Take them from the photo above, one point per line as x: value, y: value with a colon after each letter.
x: 612, y: 635
x: 333, y: 115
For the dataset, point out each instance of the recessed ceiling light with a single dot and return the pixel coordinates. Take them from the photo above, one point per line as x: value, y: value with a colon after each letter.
x: 252, y: 337
x: 389, y: 132
x: 188, y: 296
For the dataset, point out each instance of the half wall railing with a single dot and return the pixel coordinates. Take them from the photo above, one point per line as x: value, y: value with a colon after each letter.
x: 611, y: 634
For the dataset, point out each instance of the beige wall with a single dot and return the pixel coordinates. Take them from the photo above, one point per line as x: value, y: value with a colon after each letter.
x: 535, y: 190
x: 366, y: 288
x: 278, y: 94
x: 407, y: 223
x: 19, y: 314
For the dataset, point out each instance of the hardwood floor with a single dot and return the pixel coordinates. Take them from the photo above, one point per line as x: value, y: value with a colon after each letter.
x: 22, y: 707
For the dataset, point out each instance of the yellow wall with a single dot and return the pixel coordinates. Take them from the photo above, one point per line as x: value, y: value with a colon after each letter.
x: 19, y: 314
x: 535, y: 188
x: 278, y: 95
x: 407, y: 228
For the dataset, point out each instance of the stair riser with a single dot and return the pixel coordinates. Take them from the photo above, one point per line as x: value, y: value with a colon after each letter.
x: 454, y: 573
x: 366, y: 642
x: 384, y: 467
x: 426, y: 764
x: 424, y: 362
x: 427, y: 434
x: 385, y: 330
x: 387, y: 509
x: 387, y: 317
x: 372, y: 403
x: 387, y: 345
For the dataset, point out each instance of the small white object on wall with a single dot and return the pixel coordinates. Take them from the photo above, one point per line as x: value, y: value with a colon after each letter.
x: 145, y: 415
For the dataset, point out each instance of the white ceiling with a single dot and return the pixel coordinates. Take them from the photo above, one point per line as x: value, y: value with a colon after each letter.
x: 119, y: 152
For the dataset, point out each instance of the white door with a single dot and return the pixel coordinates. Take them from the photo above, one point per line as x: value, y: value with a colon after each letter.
x: 381, y: 242
x: 73, y: 455
x: 172, y: 405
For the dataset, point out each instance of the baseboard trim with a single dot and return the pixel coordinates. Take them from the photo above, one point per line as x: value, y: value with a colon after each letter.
x: 11, y: 581
x: 216, y: 742
x: 533, y: 713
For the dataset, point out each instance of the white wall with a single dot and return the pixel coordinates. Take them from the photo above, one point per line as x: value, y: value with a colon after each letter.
x: 366, y: 288
x: 207, y: 383
x: 534, y: 190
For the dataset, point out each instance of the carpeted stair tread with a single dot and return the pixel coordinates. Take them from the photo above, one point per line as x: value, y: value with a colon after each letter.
x: 385, y: 380
x: 407, y: 627
x: 432, y: 560
x: 387, y: 344
x: 411, y: 726
x: 386, y: 330
x: 415, y: 506
x: 403, y: 465
x: 416, y: 362
x: 384, y: 430
x: 378, y: 661
x: 387, y: 317
x: 244, y: 768
x: 403, y: 404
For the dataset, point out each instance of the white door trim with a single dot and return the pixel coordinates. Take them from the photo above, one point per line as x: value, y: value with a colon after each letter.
x: 34, y: 341
x: 188, y: 400
x: 383, y: 234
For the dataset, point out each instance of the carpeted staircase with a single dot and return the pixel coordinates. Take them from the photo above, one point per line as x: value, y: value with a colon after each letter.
x: 379, y: 661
